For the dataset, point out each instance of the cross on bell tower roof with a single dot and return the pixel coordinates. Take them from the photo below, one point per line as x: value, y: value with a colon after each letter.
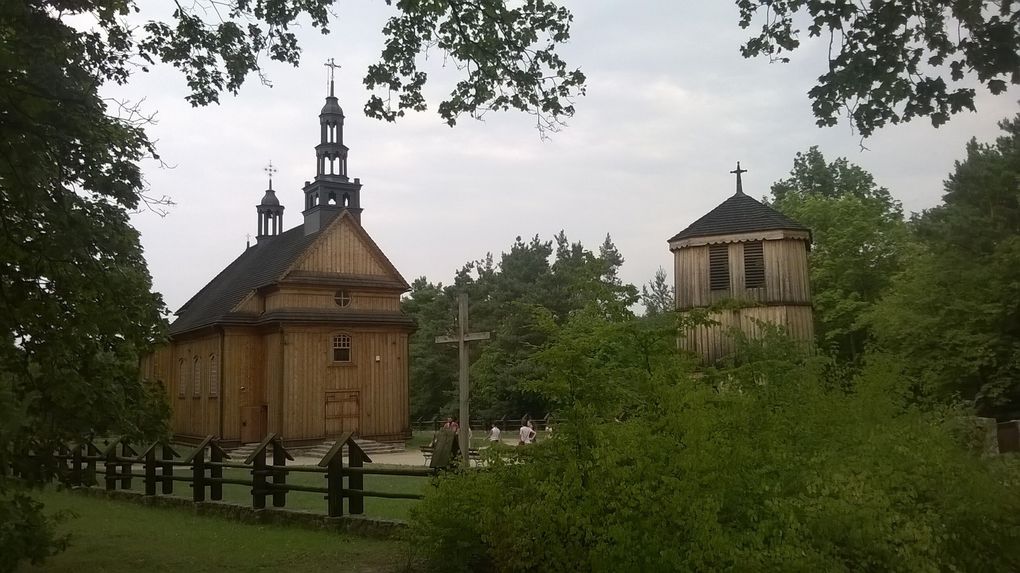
x: 740, y: 185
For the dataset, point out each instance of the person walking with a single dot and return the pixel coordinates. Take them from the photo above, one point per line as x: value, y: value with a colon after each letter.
x: 527, y: 433
x: 494, y: 433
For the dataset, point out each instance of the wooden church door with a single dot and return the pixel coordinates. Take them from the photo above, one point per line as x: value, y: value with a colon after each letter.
x: 343, y: 412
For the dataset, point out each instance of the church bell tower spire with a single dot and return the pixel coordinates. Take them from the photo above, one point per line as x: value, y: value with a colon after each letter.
x: 270, y: 211
x: 331, y: 191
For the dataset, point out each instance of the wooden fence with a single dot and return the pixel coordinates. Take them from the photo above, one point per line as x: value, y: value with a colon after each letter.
x: 159, y: 467
x: 504, y: 423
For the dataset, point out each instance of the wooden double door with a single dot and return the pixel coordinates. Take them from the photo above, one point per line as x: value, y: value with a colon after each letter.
x: 343, y: 412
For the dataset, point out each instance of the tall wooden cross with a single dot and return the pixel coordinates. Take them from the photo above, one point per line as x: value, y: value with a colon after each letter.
x: 738, y: 171
x: 462, y: 338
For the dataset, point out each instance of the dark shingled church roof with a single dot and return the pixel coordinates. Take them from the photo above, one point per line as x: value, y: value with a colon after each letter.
x: 738, y: 214
x: 257, y: 266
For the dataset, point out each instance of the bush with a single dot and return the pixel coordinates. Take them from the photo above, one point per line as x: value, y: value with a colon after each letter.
x: 767, y: 465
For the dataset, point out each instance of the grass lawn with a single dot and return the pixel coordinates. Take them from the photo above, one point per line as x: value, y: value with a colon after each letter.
x: 112, y: 536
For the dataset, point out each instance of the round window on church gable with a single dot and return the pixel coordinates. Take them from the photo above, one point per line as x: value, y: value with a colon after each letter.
x: 342, y: 298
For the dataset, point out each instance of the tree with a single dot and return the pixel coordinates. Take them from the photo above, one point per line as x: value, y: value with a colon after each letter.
x: 890, y: 62
x: 858, y: 233
x: 953, y: 313
x: 657, y: 295
x: 507, y: 55
x: 519, y: 299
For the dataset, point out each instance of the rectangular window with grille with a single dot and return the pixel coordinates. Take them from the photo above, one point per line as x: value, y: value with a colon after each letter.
x: 719, y: 267
x: 754, y: 265
x: 341, y: 348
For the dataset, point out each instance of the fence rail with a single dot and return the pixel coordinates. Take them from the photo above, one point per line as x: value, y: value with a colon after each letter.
x: 160, y: 467
x: 504, y: 423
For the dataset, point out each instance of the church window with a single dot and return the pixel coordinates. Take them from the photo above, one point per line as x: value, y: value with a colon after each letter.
x: 342, y: 298
x: 196, y: 379
x: 332, y: 196
x: 342, y: 348
x: 754, y: 265
x: 719, y: 267
x: 214, y: 377
x: 182, y: 381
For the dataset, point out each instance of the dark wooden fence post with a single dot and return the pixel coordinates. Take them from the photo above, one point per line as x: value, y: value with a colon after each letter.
x: 216, y: 455
x: 333, y: 461
x: 110, y: 465
x: 91, y: 453
x: 356, y: 480
x: 258, y: 480
x: 279, y: 475
x: 259, y: 489
x: 128, y: 457
x: 198, y: 476
x: 150, y: 469
x: 168, y: 454
x: 76, y: 471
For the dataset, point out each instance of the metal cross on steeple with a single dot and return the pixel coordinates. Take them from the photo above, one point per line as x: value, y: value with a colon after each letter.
x: 269, y: 169
x: 738, y: 171
x: 333, y: 66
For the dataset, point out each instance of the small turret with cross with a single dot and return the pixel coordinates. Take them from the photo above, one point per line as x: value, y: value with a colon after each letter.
x: 270, y: 211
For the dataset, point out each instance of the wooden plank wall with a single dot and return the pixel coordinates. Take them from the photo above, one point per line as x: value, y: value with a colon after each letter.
x: 323, y: 298
x: 195, y: 414
x: 786, y: 271
x: 275, y: 398
x: 713, y: 342
x: 244, y: 376
x: 342, y: 250
x: 786, y: 276
x: 310, y: 373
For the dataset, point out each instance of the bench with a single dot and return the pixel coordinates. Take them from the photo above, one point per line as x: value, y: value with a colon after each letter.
x: 428, y: 450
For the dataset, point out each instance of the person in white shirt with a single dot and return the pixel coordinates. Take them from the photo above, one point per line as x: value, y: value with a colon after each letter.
x: 528, y: 433
x: 494, y: 433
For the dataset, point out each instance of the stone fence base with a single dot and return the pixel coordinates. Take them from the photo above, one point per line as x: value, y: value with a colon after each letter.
x: 356, y: 525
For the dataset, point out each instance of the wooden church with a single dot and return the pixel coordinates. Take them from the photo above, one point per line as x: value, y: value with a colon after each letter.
x: 302, y: 334
x: 749, y: 262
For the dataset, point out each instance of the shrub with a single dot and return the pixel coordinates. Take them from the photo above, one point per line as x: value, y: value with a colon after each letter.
x: 765, y: 465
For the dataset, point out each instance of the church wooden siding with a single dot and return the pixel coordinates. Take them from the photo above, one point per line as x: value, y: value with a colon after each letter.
x: 786, y: 278
x: 714, y: 341
x: 324, y: 299
x: 244, y: 360
x: 786, y: 272
x: 251, y: 303
x: 274, y: 356
x: 195, y: 413
x: 383, y: 403
x: 342, y: 251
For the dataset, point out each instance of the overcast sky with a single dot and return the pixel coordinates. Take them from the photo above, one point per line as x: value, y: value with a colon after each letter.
x: 671, y: 107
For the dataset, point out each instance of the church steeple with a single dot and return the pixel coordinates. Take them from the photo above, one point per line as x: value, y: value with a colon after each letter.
x: 331, y: 191
x: 270, y: 211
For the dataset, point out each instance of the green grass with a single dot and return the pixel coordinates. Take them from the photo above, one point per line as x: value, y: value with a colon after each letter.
x: 111, y: 536
x: 374, y: 507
